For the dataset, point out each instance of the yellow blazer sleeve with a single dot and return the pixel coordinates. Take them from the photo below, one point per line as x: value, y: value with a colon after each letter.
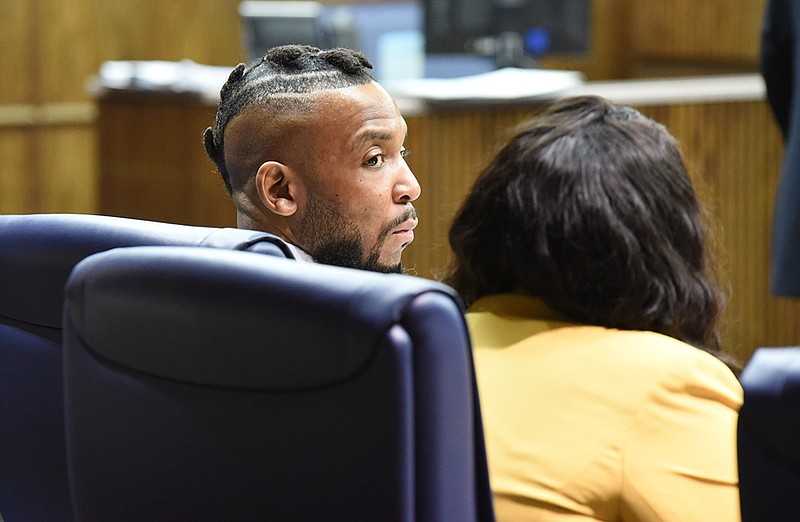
x: 679, y: 460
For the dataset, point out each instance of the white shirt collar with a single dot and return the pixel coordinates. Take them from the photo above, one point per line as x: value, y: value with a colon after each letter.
x: 300, y: 254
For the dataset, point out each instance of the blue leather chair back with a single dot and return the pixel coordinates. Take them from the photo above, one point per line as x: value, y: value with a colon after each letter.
x: 769, y: 436
x: 212, y: 385
x: 37, y: 253
x: 45, y: 247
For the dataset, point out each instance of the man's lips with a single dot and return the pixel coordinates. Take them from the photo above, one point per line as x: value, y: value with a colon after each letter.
x: 405, y: 231
x: 406, y: 227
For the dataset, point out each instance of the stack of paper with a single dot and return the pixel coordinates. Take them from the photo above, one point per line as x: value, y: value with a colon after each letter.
x: 503, y: 85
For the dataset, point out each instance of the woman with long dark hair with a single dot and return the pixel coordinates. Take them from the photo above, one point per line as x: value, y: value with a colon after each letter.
x: 594, y: 315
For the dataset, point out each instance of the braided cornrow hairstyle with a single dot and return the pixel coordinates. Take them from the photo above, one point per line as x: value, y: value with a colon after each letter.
x: 288, y: 69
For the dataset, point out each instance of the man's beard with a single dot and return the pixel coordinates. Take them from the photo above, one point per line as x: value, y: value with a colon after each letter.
x: 332, y: 239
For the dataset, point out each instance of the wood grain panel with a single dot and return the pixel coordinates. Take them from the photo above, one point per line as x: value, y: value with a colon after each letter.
x: 209, y: 200
x: 48, y: 157
x: 155, y: 149
x: 449, y: 149
x: 76, y: 36
x: 16, y: 81
x: 206, y: 32
x: 67, y: 169
x: 16, y: 189
x: 706, y: 31
x: 736, y: 169
x: 66, y: 48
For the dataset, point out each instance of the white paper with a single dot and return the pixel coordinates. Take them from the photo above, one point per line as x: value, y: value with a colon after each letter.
x: 502, y: 85
x: 185, y: 76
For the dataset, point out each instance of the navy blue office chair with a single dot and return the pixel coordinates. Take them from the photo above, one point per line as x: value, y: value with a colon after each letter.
x: 212, y: 385
x: 769, y: 436
x: 37, y: 253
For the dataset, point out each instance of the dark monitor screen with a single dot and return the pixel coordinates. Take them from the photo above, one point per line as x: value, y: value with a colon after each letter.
x: 269, y: 24
x: 511, y: 31
x: 372, y: 28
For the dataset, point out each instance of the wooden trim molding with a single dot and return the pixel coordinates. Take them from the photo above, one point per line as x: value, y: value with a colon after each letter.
x: 48, y: 114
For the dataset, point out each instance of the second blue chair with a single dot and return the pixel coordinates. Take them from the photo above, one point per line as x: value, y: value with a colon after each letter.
x: 769, y: 436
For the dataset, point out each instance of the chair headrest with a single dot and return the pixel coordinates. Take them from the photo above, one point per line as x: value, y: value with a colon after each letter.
x: 234, y: 319
x: 771, y: 383
x: 45, y: 247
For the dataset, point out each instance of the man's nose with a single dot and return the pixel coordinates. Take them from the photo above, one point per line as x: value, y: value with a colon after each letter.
x: 407, y: 188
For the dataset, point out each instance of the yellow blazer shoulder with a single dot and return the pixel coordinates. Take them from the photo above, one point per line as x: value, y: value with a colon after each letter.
x: 591, y: 423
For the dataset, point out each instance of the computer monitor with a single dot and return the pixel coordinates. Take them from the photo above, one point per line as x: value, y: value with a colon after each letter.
x: 512, y: 32
x: 386, y: 32
x: 268, y: 24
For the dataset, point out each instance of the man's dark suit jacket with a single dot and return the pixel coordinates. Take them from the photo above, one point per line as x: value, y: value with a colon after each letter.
x: 780, y: 66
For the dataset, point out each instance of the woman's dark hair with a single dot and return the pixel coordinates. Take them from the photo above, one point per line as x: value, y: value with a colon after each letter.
x: 590, y: 209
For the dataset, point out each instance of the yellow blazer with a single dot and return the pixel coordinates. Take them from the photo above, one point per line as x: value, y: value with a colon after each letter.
x: 589, y: 423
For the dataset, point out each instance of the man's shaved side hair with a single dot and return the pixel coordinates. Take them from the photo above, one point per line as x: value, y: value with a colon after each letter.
x: 273, y: 83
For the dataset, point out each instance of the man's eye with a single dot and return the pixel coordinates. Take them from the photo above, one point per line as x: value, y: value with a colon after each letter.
x: 405, y: 152
x: 375, y: 161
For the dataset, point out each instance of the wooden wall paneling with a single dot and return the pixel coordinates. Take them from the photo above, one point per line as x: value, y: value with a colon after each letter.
x: 448, y: 151
x: 206, y: 32
x: 128, y: 31
x: 67, y: 48
x: 136, y: 138
x: 16, y: 188
x: 67, y: 168
x: 708, y: 30
x: 612, y: 43
x: 130, y: 152
x: 428, y: 160
x: 736, y: 168
x: 219, y: 42
x: 746, y: 223
x: 669, y: 37
x: 63, y: 159
x: 48, y: 157
x: 781, y: 325
x: 419, y: 142
x: 767, y: 319
x: 47, y: 56
x: 209, y: 202
x: 17, y: 44
x: 17, y: 93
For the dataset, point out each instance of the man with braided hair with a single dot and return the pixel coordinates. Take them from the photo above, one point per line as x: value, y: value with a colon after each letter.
x: 310, y: 148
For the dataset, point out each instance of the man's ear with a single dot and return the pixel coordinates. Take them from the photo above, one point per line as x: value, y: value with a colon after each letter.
x: 275, y: 185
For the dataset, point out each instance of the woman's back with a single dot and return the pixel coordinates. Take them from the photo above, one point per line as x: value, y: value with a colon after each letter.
x: 591, y: 423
